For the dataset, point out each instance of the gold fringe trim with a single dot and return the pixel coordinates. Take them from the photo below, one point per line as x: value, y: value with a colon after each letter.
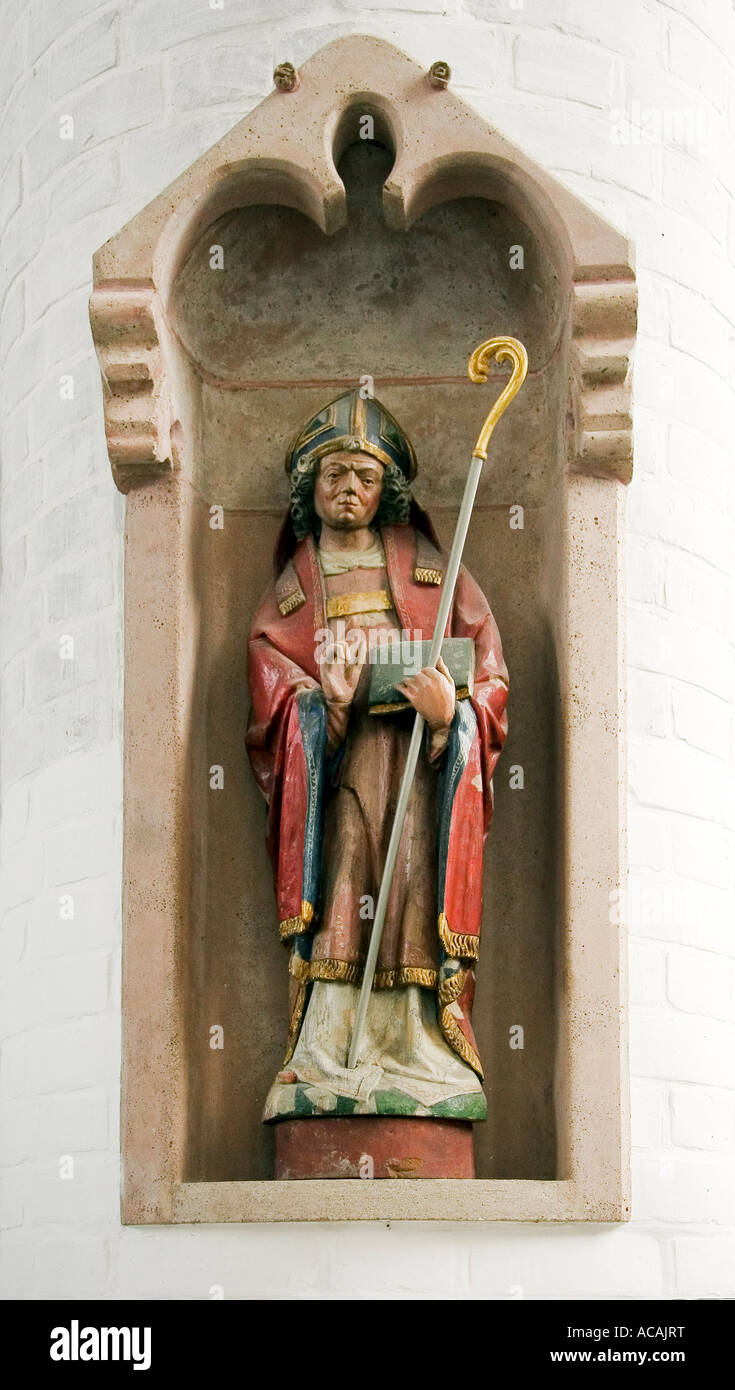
x: 294, y: 1027
x: 405, y: 975
x: 374, y: 601
x: 296, y: 926
x: 450, y: 989
x: 351, y: 973
x: 457, y: 944
x: 458, y: 1042
x: 344, y: 970
x: 292, y: 926
x: 425, y: 576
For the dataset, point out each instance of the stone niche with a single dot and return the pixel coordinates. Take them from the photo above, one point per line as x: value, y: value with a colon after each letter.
x: 344, y: 257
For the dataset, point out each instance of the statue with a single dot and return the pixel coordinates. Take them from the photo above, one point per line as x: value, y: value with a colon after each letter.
x: 359, y: 574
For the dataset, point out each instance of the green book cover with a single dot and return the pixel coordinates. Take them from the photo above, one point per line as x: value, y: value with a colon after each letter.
x: 392, y: 662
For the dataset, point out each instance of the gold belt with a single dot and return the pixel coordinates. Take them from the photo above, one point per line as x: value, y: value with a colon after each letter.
x: 345, y: 604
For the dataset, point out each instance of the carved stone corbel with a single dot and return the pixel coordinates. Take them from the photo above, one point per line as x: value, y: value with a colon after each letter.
x: 126, y: 325
x: 603, y: 334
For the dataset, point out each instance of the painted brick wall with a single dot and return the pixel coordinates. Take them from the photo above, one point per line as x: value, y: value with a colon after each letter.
x: 632, y: 105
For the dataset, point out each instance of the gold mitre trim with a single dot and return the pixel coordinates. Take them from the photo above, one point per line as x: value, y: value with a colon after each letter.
x: 356, y: 441
x: 347, y: 443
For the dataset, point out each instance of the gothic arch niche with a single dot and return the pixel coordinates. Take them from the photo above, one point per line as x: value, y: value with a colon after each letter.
x: 393, y: 264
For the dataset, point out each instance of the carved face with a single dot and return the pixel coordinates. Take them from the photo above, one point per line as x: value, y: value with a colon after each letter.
x: 347, y: 490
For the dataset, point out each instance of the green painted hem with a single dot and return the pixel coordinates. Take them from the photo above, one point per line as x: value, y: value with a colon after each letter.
x: 396, y: 1103
x: 468, y: 1107
x: 472, y: 1106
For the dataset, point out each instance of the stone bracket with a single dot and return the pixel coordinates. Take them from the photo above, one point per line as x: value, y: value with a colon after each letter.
x: 603, y: 334
x: 126, y: 325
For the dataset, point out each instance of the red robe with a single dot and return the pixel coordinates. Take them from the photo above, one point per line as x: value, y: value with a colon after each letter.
x: 286, y: 742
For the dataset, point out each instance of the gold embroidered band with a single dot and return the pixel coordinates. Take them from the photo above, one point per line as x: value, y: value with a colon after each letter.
x: 427, y: 576
x: 287, y: 605
x: 343, y: 605
x: 289, y: 593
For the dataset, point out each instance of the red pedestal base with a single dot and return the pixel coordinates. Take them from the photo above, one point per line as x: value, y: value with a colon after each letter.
x: 373, y: 1146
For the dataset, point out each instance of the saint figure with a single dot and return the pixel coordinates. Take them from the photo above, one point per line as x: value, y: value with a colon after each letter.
x: 358, y: 574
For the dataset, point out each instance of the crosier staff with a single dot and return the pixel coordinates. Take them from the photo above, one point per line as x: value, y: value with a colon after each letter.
x: 505, y: 350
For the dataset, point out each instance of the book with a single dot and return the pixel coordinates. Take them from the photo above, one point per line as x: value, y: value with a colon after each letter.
x: 392, y: 662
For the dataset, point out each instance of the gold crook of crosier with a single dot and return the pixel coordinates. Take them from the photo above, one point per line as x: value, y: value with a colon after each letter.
x: 504, y: 350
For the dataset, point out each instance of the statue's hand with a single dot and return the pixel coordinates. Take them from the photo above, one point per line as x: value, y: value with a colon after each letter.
x: 340, y: 672
x: 432, y: 693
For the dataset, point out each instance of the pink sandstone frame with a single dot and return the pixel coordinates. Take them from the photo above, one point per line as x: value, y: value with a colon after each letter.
x: 284, y: 153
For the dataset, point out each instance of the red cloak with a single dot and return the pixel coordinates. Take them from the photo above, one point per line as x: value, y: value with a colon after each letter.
x: 286, y: 742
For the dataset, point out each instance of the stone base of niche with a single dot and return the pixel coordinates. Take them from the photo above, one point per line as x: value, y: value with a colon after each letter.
x: 355, y: 1199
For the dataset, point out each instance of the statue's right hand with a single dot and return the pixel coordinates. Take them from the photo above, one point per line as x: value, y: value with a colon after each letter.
x: 340, y: 670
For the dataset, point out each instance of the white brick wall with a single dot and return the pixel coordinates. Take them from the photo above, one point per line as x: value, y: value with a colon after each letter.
x: 150, y: 85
